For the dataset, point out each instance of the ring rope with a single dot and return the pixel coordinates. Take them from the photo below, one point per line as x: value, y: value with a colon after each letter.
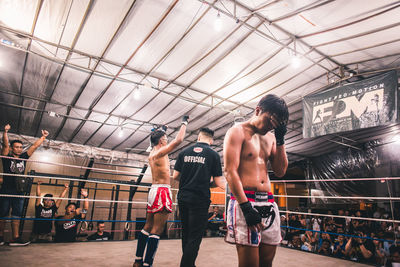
x: 72, y: 166
x: 175, y: 221
x: 330, y: 233
x: 79, y: 199
x: 85, y: 180
x: 76, y: 179
x: 340, y: 216
x: 91, y: 200
x: 336, y: 180
x: 340, y: 197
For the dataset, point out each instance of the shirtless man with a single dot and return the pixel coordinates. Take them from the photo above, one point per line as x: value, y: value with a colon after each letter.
x: 253, y: 217
x: 159, y: 198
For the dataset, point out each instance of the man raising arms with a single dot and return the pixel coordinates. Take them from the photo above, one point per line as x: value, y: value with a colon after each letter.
x: 159, y: 199
x: 14, y: 185
x: 253, y: 219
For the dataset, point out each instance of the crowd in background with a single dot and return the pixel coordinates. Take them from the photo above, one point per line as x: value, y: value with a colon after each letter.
x: 348, y: 238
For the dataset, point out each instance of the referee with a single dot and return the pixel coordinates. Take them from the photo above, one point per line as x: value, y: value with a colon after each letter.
x: 194, y: 168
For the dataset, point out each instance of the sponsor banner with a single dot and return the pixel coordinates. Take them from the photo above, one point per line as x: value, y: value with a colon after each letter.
x: 368, y: 103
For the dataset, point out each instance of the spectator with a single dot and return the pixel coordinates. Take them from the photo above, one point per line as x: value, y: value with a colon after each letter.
x: 325, y: 248
x: 284, y: 229
x: 329, y: 225
x: 295, y: 242
x: 214, y: 221
x: 295, y: 223
x: 316, y: 225
x: 360, y: 249
x: 379, y: 251
x: 394, y: 259
x: 339, y: 247
x: 100, y: 235
x: 348, y: 221
x: 66, y: 229
x: 340, y: 222
x: 14, y: 185
x: 324, y: 236
x: 308, y: 241
x: 42, y: 228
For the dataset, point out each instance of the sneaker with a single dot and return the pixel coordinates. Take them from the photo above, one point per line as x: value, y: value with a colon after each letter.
x: 1, y: 241
x: 18, y: 242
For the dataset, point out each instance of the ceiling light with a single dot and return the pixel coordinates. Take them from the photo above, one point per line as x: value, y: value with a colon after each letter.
x: 218, y: 23
x: 52, y: 114
x: 295, y: 62
x: 45, y: 158
x: 121, y: 133
x: 136, y: 93
x: 396, y: 139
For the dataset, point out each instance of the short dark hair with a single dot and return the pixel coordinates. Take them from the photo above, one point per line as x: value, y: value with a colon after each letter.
x: 207, y: 132
x: 275, y: 105
x: 48, y: 196
x: 71, y: 203
x: 15, y: 141
x: 155, y: 137
x: 100, y: 222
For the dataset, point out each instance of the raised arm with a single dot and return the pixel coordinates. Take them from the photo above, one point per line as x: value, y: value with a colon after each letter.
x: 58, y: 202
x: 37, y: 143
x: 5, y: 149
x: 278, y: 159
x: 174, y: 143
x: 37, y: 203
x: 83, y: 211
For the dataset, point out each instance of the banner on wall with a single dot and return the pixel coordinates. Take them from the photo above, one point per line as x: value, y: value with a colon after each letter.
x: 367, y: 103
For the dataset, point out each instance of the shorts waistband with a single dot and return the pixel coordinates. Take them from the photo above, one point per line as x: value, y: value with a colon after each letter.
x: 254, y: 196
x: 160, y: 185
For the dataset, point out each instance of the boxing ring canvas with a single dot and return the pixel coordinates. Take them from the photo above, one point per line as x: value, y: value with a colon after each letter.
x: 213, y: 252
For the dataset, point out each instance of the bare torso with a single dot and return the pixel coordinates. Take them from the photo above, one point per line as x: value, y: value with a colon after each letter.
x: 159, y: 168
x: 255, y: 153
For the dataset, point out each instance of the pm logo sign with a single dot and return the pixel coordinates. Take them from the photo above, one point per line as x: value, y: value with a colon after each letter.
x: 364, y: 104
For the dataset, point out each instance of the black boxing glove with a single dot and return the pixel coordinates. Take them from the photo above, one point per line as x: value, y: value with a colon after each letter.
x: 280, y: 132
x: 164, y: 128
x: 250, y: 214
x: 185, y: 119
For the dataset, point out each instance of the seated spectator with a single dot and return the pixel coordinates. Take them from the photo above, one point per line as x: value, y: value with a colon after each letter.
x: 324, y: 236
x: 214, y: 222
x: 340, y: 222
x: 42, y: 228
x: 295, y: 223
x: 307, y: 241
x: 348, y: 221
x: 284, y: 229
x: 100, y: 235
x: 394, y: 259
x: 66, y: 229
x: 329, y: 225
x: 325, y: 248
x: 295, y: 242
x: 360, y: 249
x: 379, y: 251
x: 316, y: 225
x: 339, y: 247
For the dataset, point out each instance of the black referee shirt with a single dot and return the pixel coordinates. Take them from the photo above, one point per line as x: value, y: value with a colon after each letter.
x: 197, y: 164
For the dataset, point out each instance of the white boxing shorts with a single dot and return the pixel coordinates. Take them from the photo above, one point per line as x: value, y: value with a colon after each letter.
x: 240, y: 233
x: 159, y: 198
